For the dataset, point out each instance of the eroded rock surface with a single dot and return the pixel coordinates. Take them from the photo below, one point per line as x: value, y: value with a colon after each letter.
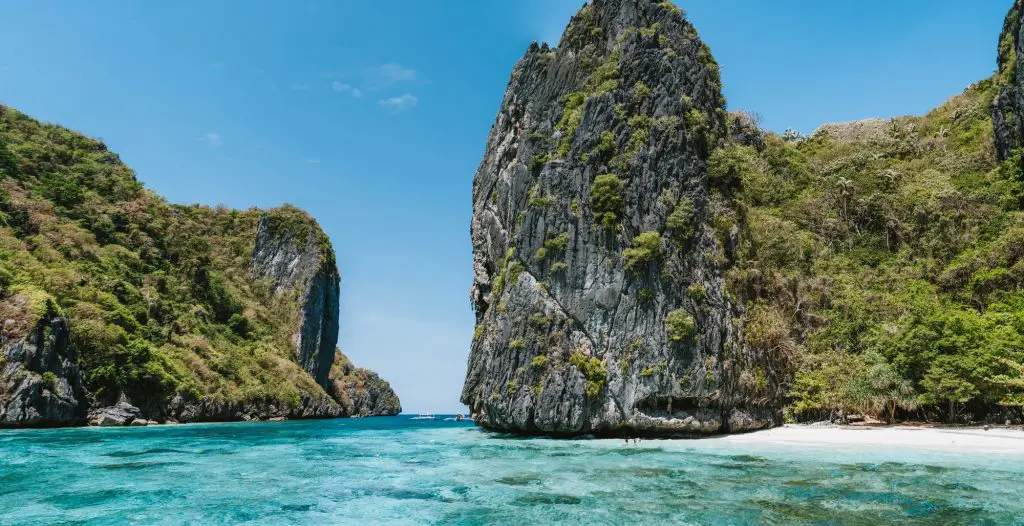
x: 362, y: 392
x: 123, y: 413
x: 294, y: 253
x: 1007, y: 108
x: 40, y: 385
x: 598, y: 296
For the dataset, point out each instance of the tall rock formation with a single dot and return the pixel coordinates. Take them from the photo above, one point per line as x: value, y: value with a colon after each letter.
x: 295, y: 254
x: 598, y: 296
x: 1009, y: 104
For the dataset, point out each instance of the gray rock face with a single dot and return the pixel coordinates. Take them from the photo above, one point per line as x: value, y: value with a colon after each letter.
x: 183, y: 409
x: 121, y: 414
x: 295, y: 255
x: 1009, y: 104
x: 39, y: 383
x: 362, y: 392
x: 598, y: 296
x: 374, y: 397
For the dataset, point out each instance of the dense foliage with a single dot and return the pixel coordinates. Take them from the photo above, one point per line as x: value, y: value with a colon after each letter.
x: 159, y: 296
x: 892, y: 252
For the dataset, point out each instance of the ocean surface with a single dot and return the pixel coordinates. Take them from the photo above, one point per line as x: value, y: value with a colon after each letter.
x: 405, y: 471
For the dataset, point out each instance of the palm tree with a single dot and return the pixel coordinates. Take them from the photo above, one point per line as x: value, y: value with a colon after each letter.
x: 882, y: 390
x: 845, y: 187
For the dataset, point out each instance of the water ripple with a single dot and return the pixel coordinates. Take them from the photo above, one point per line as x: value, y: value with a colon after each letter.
x: 402, y: 471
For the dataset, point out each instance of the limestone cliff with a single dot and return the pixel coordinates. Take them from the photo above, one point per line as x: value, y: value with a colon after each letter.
x: 1008, y: 107
x: 597, y: 291
x: 127, y: 309
x: 39, y: 383
x: 296, y: 256
x: 361, y: 392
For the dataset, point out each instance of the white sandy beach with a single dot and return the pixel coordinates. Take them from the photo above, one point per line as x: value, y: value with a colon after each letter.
x: 926, y: 438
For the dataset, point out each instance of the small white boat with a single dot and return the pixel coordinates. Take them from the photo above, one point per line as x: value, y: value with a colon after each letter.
x: 424, y: 417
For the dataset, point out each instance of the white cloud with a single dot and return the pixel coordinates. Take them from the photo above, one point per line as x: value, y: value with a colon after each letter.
x: 312, y: 161
x: 391, y: 74
x: 401, y: 103
x: 213, y: 139
x: 346, y: 88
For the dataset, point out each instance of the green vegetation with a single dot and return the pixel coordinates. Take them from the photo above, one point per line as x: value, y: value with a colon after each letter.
x: 680, y: 326
x: 605, y: 149
x: 680, y: 221
x: 508, y: 273
x: 539, y: 322
x: 572, y: 114
x: 606, y: 200
x: 539, y: 362
x: 603, y: 79
x: 593, y: 370
x: 50, y: 381
x: 900, y: 243
x: 648, y: 32
x: 605, y: 76
x: 1007, y: 46
x: 671, y: 7
x: 539, y: 201
x: 557, y: 244
x: 1012, y: 382
x: 159, y: 296
x: 538, y: 161
x: 655, y: 369
x: 641, y: 125
x: 646, y: 248
x: 640, y: 92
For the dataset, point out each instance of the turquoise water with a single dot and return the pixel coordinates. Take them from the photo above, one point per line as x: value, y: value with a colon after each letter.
x: 403, y: 471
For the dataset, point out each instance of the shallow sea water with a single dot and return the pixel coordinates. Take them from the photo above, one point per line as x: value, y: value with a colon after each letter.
x: 404, y: 471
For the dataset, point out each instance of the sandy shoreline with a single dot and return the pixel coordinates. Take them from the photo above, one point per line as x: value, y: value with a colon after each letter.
x: 968, y: 439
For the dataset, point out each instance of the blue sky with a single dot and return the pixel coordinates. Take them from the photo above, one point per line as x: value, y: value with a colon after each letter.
x: 373, y: 117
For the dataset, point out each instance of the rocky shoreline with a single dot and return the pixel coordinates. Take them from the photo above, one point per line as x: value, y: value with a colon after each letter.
x: 40, y: 386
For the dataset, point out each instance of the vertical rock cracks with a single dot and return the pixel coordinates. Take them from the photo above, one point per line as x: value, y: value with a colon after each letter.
x: 599, y: 300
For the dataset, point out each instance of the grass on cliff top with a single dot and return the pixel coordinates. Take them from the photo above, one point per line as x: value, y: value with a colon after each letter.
x: 158, y: 295
x: 890, y: 256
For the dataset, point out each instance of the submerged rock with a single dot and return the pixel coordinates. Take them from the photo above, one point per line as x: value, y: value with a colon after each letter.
x: 598, y: 296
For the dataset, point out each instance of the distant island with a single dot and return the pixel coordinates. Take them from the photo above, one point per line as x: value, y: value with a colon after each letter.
x: 118, y: 308
x: 648, y: 263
